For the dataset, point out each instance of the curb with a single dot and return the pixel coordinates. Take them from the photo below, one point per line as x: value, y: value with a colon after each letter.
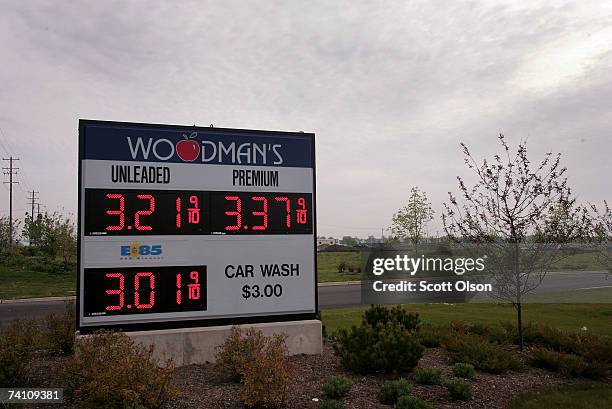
x: 334, y: 283
x: 40, y: 299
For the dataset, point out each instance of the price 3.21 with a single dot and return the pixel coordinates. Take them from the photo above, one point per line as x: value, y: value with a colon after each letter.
x: 266, y: 291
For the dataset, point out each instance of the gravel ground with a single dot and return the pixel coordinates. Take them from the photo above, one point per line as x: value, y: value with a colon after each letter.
x: 202, y: 389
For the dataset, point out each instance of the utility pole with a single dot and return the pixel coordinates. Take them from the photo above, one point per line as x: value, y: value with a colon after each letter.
x: 10, y: 171
x: 32, y: 200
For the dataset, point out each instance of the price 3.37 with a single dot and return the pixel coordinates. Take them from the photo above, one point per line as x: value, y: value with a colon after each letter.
x: 267, y: 291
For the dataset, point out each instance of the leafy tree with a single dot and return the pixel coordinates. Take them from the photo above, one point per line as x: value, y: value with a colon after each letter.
x: 511, y: 203
x: 410, y: 221
x: 5, y: 233
x: 349, y: 241
x: 53, y: 234
x: 603, y: 234
x: 564, y: 221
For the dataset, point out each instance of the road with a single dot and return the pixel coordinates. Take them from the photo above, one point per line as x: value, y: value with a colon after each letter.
x: 330, y: 295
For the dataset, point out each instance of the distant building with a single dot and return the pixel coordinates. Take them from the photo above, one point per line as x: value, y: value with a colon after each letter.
x: 335, y: 248
x: 326, y: 242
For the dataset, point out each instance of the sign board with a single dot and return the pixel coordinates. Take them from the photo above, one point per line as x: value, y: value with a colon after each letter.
x: 187, y: 226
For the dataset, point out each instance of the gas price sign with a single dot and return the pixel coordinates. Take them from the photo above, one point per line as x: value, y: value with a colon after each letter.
x: 187, y: 226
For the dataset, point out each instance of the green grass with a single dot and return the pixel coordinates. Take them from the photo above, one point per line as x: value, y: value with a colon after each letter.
x: 583, y: 261
x: 581, y: 396
x: 26, y: 283
x: 570, y: 317
x: 327, y: 263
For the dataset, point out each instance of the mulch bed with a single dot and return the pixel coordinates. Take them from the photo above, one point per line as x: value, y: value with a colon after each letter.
x: 201, y: 388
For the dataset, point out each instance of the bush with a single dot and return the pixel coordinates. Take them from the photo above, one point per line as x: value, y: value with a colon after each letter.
x: 259, y: 362
x: 412, y: 402
x: 337, y: 387
x: 233, y: 354
x: 428, y: 376
x: 58, y: 330
x: 266, y: 375
x: 481, y: 354
x: 367, y: 349
x: 462, y: 370
x: 331, y: 404
x: 433, y: 336
x: 17, y: 344
x: 378, y: 314
x: 392, y: 390
x: 494, y: 333
x: 458, y: 389
x: 567, y: 364
x: 570, y: 342
x: 111, y: 370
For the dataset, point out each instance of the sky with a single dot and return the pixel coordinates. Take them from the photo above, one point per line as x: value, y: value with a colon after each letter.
x: 390, y: 88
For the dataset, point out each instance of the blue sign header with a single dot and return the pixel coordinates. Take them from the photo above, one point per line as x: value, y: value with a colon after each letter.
x: 176, y: 144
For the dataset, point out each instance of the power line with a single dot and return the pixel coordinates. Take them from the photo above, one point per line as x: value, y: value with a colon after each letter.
x: 9, y: 151
x: 10, y: 171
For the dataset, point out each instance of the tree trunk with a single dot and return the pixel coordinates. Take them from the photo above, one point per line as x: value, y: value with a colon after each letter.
x: 519, y: 320
x: 517, y: 303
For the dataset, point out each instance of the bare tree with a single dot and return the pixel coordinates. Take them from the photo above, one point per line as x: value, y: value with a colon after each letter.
x: 518, y: 215
x: 409, y: 222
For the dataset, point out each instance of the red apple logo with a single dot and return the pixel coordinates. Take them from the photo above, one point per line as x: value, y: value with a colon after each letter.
x: 188, y: 149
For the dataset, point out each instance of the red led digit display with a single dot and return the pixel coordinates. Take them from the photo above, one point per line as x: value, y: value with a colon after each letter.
x: 117, y: 212
x: 120, y: 291
x: 261, y: 213
x: 175, y: 212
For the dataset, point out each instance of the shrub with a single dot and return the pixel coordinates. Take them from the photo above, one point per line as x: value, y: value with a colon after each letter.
x: 480, y: 353
x: 595, y: 352
x: 433, y: 336
x: 567, y: 364
x: 111, y: 370
x: 236, y: 351
x: 259, y: 362
x: 379, y: 314
x: 331, y: 404
x: 266, y: 375
x: 458, y: 389
x: 462, y: 370
x: 428, y: 376
x: 546, y: 336
x: 337, y: 387
x: 389, y: 348
x: 412, y: 402
x: 392, y: 390
x: 58, y: 330
x: 17, y: 344
x: 499, y: 334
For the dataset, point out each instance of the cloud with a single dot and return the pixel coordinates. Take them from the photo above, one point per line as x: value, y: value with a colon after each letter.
x: 390, y: 88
